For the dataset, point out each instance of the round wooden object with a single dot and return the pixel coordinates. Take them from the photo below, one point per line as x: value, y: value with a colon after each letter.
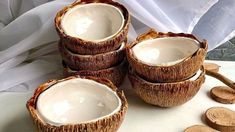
x: 211, y: 67
x: 199, y: 128
x: 221, y: 119
x: 223, y: 94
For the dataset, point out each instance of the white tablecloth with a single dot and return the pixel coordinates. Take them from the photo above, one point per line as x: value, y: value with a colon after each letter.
x: 140, y: 117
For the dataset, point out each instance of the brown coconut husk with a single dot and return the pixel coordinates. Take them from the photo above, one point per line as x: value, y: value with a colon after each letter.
x: 177, y: 72
x: 115, y: 74
x: 165, y: 94
x: 80, y: 46
x: 110, y: 123
x: 92, y: 62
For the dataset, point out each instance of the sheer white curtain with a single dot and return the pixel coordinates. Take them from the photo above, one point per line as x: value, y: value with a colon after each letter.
x: 218, y: 24
x: 28, y: 41
x: 169, y: 15
x: 208, y: 19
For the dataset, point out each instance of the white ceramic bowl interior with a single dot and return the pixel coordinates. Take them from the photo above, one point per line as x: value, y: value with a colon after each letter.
x: 196, y: 75
x: 165, y: 51
x: 93, y: 22
x: 77, y: 101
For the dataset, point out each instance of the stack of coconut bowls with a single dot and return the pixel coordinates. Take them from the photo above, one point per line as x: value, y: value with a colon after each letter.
x: 93, y: 36
x: 166, y: 68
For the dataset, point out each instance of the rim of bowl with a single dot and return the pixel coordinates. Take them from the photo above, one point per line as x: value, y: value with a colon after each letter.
x: 106, y: 88
x: 61, y: 13
x: 195, y: 77
x: 80, y: 55
x: 32, y: 102
x: 77, y: 7
x: 169, y: 63
x: 149, y: 35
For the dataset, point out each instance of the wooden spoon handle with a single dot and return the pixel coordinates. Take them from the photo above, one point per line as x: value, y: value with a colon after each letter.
x: 211, y: 66
x: 221, y: 77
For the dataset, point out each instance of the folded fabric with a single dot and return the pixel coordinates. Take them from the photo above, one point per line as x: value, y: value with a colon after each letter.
x: 28, y: 40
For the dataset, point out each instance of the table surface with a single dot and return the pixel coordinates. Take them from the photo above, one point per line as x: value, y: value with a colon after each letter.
x: 141, y: 117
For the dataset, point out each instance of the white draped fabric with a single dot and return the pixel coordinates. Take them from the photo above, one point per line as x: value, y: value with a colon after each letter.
x: 28, y: 41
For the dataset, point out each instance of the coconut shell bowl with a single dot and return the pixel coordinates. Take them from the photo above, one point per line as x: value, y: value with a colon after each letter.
x: 167, y: 94
x: 92, y: 62
x: 166, y: 68
x: 78, y: 104
x: 166, y: 57
x: 92, y: 26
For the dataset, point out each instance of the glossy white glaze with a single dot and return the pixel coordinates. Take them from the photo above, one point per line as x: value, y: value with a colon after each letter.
x: 77, y: 101
x: 165, y: 51
x: 93, y: 22
x: 196, y: 76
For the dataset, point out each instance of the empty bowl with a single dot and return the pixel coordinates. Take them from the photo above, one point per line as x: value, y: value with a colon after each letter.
x: 78, y: 104
x: 92, y: 27
x: 166, y: 57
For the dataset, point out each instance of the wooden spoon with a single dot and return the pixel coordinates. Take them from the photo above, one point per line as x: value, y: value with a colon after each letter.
x: 221, y: 119
x: 211, y: 67
x: 220, y: 77
x: 220, y: 94
x: 223, y: 94
x: 199, y: 128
